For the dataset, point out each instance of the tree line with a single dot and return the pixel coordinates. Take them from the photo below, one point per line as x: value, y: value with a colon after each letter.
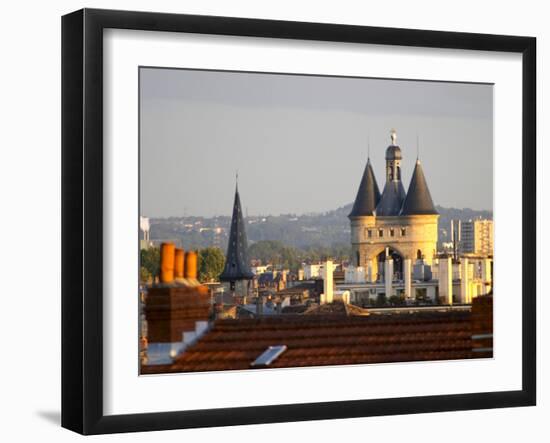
x: 211, y: 260
x: 290, y: 257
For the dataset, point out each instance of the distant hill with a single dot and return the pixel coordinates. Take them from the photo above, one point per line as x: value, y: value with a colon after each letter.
x: 318, y: 230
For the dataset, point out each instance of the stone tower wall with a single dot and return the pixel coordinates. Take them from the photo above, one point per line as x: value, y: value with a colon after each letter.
x: 420, y: 234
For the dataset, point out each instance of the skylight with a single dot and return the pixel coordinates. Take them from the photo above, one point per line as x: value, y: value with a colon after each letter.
x: 269, y: 355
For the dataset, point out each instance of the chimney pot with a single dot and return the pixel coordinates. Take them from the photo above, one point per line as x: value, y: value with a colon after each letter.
x: 191, y: 265
x: 167, y: 254
x: 179, y: 263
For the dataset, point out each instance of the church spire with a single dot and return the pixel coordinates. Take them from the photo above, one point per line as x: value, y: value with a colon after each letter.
x: 368, y: 194
x: 418, y: 200
x: 236, y: 261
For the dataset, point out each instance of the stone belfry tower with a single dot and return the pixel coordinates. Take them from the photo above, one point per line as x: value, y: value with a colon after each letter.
x: 237, y: 266
x: 393, y: 159
x: 398, y: 226
x: 394, y: 192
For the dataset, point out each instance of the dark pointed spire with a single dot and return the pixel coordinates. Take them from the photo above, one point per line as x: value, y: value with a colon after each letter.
x: 418, y: 200
x: 392, y: 199
x: 368, y: 194
x: 236, y: 260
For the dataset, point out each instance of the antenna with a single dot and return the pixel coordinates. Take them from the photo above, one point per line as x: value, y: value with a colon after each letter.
x: 237, y: 179
x: 368, y: 145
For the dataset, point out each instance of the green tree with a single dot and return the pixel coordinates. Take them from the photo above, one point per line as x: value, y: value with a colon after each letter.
x: 276, y: 253
x: 396, y: 300
x: 211, y: 263
x: 381, y: 300
x: 144, y: 274
x: 150, y: 260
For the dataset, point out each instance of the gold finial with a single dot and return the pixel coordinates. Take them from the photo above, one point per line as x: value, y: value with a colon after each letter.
x: 393, y: 135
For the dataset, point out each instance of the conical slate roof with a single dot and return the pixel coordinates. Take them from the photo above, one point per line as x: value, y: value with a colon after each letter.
x: 236, y: 260
x: 368, y: 194
x: 392, y: 199
x: 418, y: 200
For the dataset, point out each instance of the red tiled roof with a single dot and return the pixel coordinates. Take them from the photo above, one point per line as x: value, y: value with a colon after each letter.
x: 330, y: 340
x: 336, y: 308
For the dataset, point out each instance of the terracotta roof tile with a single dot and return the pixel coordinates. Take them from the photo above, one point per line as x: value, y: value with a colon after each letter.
x: 331, y: 340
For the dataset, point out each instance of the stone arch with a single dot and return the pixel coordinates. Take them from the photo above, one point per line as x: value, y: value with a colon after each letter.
x: 377, y: 249
x: 398, y: 259
x: 371, y: 255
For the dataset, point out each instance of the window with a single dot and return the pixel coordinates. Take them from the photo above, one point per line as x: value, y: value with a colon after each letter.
x: 392, y: 232
x: 369, y: 233
x: 380, y: 233
x: 403, y: 232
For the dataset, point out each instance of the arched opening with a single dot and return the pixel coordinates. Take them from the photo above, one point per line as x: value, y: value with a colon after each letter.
x: 397, y: 264
x: 358, y: 257
x: 419, y: 255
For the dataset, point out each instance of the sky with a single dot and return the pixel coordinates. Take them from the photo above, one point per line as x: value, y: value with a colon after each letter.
x: 300, y: 143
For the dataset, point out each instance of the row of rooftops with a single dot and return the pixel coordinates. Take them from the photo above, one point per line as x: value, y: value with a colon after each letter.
x: 393, y: 201
x: 317, y: 340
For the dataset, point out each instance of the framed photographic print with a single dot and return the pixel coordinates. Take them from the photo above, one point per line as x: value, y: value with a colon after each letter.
x: 268, y: 221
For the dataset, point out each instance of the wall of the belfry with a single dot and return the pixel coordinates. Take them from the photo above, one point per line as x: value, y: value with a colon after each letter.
x: 420, y: 234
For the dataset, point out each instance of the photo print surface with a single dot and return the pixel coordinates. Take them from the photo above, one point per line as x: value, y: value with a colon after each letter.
x: 300, y: 220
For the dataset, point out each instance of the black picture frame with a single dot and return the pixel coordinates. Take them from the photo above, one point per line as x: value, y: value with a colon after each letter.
x: 82, y: 220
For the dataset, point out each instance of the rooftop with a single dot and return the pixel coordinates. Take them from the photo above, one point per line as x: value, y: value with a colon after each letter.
x: 368, y: 194
x: 418, y: 200
x: 393, y: 153
x: 236, y: 262
x: 392, y: 199
x: 317, y: 340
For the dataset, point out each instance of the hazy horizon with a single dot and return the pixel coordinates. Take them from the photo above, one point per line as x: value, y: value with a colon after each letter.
x: 300, y: 143
x: 313, y: 213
